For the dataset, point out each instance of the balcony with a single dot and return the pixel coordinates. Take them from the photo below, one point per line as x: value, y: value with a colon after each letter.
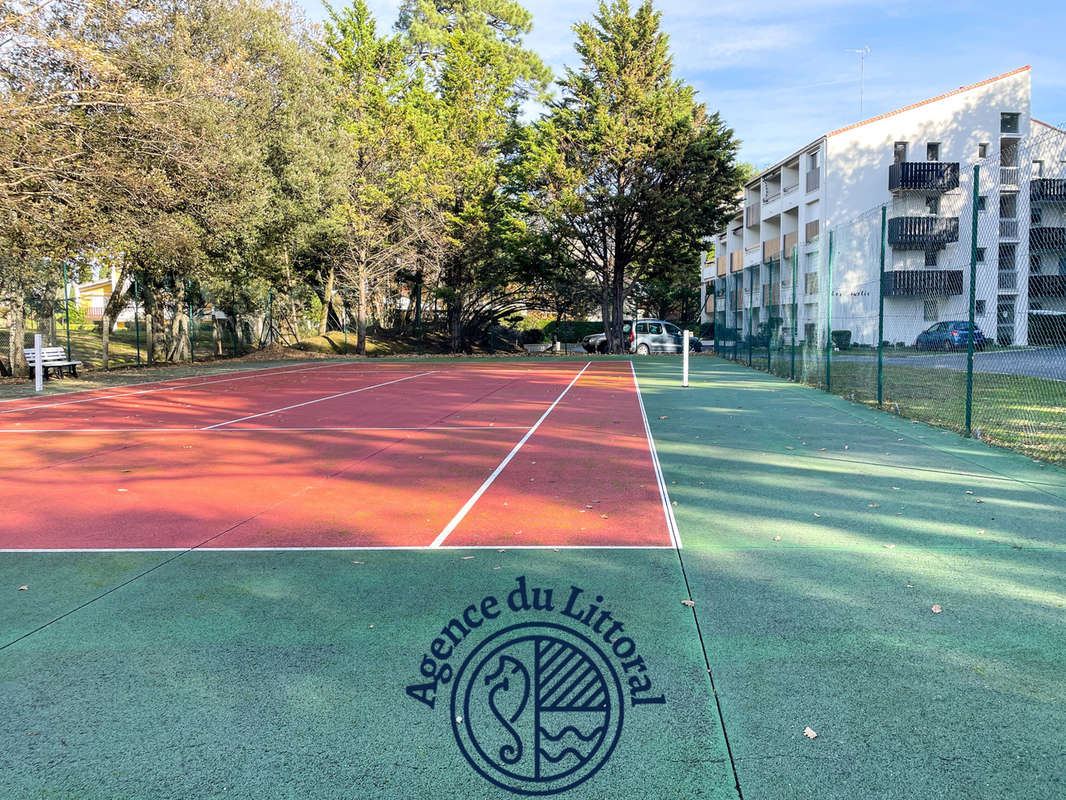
x: 923, y: 176
x: 1008, y: 229
x: 1047, y: 285
x: 1008, y: 176
x: 1047, y: 240
x: 814, y: 179
x: 922, y: 282
x: 791, y: 240
x: 922, y: 233
x: 811, y: 231
x: 771, y: 294
x: 1048, y: 190
x: 771, y: 250
x: 721, y: 264
x: 751, y: 215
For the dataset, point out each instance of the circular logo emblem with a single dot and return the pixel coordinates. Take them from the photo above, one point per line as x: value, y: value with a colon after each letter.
x: 537, y: 708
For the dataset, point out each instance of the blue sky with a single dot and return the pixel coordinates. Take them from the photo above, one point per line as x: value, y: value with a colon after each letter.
x: 780, y: 72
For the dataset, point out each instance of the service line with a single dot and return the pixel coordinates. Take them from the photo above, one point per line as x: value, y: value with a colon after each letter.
x: 664, y: 494
x: 451, y: 526
x: 316, y: 400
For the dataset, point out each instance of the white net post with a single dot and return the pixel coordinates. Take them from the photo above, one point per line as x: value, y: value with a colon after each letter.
x: 684, y: 358
x: 38, y: 366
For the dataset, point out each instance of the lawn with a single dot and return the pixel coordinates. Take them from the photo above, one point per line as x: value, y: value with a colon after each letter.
x: 85, y: 345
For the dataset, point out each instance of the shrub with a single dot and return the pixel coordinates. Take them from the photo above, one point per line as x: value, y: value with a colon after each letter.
x: 841, y: 339
x: 532, y: 336
x: 707, y: 330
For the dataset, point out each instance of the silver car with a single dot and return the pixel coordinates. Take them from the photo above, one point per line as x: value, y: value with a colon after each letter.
x: 651, y: 336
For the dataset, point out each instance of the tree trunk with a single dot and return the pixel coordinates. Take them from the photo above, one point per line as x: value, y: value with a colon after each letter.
x: 327, y: 301
x: 178, y: 339
x: 111, y: 311
x: 105, y: 340
x: 215, y: 335
x: 16, y: 321
x: 46, y: 316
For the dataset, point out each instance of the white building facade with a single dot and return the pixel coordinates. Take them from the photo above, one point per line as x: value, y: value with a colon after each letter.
x: 917, y: 163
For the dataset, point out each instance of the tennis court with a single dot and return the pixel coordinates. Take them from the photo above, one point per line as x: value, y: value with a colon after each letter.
x: 466, y: 579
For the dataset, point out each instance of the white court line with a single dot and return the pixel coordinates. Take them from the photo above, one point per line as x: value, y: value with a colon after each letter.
x: 664, y: 494
x: 259, y: 373
x: 428, y: 548
x: 316, y: 400
x: 269, y: 430
x: 495, y: 473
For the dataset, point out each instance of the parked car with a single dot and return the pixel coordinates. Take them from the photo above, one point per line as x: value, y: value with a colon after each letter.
x: 651, y: 336
x: 949, y: 336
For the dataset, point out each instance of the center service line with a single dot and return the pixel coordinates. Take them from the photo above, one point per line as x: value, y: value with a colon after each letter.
x: 451, y: 526
x: 316, y: 400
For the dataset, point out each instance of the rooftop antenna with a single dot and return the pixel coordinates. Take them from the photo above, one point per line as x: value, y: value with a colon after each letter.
x: 862, y: 71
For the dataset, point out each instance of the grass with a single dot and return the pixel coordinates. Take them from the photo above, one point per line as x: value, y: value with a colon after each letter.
x: 86, y: 346
x: 1023, y: 413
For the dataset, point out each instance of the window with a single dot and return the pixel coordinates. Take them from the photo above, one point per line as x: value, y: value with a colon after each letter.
x: 808, y: 331
x: 979, y: 308
x: 1007, y: 253
x: 980, y: 255
x: 812, y: 160
x: 932, y: 205
x: 811, y: 282
x: 673, y: 330
x: 982, y: 150
x: 654, y: 328
x: 930, y: 258
x: 932, y: 151
x: 1034, y: 264
x: 1038, y: 169
x: 899, y: 152
x: 1008, y: 206
x: 1008, y: 122
x: 982, y: 203
x: 929, y: 312
x: 1035, y: 215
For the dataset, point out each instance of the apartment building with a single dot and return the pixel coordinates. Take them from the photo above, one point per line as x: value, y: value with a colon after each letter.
x: 917, y: 162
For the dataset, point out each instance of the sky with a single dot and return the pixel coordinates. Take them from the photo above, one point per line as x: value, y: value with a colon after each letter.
x: 782, y: 73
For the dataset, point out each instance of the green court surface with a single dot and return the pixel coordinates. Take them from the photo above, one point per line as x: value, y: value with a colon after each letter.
x: 818, y: 535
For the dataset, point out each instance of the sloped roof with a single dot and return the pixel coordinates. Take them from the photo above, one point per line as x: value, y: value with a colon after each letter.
x: 939, y: 97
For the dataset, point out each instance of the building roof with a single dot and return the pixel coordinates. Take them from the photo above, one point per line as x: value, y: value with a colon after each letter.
x: 953, y: 92
x: 1046, y: 125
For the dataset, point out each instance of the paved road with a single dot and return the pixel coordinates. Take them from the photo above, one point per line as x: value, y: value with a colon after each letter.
x: 1038, y: 362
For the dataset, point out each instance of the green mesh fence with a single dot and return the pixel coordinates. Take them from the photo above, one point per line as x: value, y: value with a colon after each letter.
x: 946, y: 304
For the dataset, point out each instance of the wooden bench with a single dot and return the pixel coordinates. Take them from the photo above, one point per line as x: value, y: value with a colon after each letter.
x: 52, y: 358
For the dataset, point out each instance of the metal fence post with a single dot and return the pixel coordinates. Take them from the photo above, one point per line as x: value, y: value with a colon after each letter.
x: 136, y: 318
x: 770, y: 321
x: 270, y: 317
x: 751, y: 314
x: 973, y: 295
x: 881, y: 313
x: 66, y: 307
x: 795, y: 319
x: 829, y: 321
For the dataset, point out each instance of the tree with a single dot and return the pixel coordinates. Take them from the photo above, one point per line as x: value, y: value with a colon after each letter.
x: 632, y: 171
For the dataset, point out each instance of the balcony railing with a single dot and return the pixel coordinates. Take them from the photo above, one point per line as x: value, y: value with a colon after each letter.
x: 1047, y: 285
x: 751, y: 215
x: 810, y: 283
x: 771, y: 294
x: 1008, y: 280
x: 721, y: 265
x: 771, y: 195
x: 923, y: 176
x: 811, y: 231
x: 1048, y: 190
x: 922, y: 233
x: 790, y: 189
x: 1008, y: 229
x: 814, y: 179
x: 919, y: 282
x: 1008, y: 176
x: 771, y: 250
x: 1047, y: 240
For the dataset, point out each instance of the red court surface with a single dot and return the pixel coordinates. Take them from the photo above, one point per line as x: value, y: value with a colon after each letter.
x: 341, y: 454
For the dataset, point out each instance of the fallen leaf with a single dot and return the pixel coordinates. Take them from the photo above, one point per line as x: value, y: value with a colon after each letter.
x: 777, y: 538
x: 371, y: 626
x: 979, y: 500
x: 910, y: 586
x: 936, y: 609
x: 24, y: 588
x: 981, y: 531
x: 809, y: 733
x: 688, y: 603
x: 969, y: 491
x: 889, y: 546
x: 357, y: 562
x: 816, y: 514
x: 663, y: 417
x: 789, y: 448
x: 875, y: 505
x: 603, y: 516
x: 896, y: 488
x: 466, y: 558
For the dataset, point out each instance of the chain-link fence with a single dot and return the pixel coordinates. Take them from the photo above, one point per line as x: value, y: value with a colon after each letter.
x: 946, y: 305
